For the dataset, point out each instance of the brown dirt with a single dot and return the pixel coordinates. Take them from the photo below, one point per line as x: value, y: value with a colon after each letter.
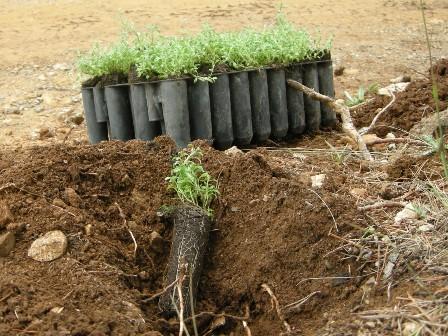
x: 410, y: 106
x: 270, y: 228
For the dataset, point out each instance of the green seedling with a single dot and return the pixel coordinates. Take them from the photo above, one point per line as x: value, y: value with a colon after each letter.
x: 433, y: 144
x: 154, y: 55
x: 192, y: 184
x: 360, y: 95
x: 337, y: 155
x: 355, y: 100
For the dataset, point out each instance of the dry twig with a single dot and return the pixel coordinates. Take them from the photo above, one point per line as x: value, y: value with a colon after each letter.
x: 340, y: 108
x: 382, y: 204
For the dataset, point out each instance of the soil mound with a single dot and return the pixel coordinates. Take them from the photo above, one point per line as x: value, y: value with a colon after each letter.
x: 270, y: 228
x: 410, y: 106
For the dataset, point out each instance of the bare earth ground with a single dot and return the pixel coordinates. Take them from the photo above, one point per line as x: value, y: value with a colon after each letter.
x: 336, y: 268
x: 374, y: 40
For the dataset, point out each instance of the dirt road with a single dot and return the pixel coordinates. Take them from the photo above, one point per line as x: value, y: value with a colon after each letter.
x: 39, y: 94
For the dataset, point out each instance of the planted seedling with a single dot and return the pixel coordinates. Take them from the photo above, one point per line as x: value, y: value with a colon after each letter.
x: 196, y: 190
x: 192, y: 184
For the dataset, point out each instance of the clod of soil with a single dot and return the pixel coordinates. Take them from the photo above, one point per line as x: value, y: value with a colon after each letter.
x: 411, y: 105
x: 270, y: 228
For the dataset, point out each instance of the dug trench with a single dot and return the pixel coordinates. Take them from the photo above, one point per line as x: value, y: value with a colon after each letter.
x: 270, y: 227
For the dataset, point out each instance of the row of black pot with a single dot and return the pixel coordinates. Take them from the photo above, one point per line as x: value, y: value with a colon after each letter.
x: 237, y: 108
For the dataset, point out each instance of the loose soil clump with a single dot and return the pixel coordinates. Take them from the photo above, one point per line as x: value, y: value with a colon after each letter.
x: 270, y: 228
x: 411, y: 105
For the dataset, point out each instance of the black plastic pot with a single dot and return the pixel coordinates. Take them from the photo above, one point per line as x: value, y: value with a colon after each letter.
x: 237, y: 108
x: 312, y: 107
x: 326, y: 87
x: 296, y: 106
x: 241, y: 110
x: 100, y: 104
x: 200, y: 110
x: 97, y: 131
x: 119, y: 112
x: 278, y: 103
x: 221, y: 112
x: 190, y: 240
x: 143, y: 128
x: 174, y: 97
x: 154, y: 107
x: 259, y: 97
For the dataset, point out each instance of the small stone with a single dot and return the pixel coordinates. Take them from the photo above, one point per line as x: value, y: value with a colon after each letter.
x: 72, y: 197
x: 156, y: 241
x: 391, y: 146
x: 38, y: 109
x: 408, y: 213
x: 57, y: 310
x: 359, y: 192
x: 7, y: 243
x: 401, y: 79
x: 426, y: 228
x: 42, y: 77
x: 6, y: 216
x: 233, y: 151
x: 49, y: 247
x: 317, y: 181
x: 59, y: 203
x: 410, y: 329
x: 88, y: 229
x: 234, y: 209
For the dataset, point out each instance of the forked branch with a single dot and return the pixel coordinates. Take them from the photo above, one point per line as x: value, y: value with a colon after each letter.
x: 341, y: 109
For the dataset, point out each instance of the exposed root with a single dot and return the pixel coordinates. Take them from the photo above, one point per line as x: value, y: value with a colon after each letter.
x: 247, y: 329
x: 398, y: 140
x: 340, y: 108
x: 297, y: 304
x: 276, y: 306
x: 163, y: 291
x: 382, y: 204
x: 125, y: 222
x: 365, y: 130
x: 181, y: 308
x: 212, y: 314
